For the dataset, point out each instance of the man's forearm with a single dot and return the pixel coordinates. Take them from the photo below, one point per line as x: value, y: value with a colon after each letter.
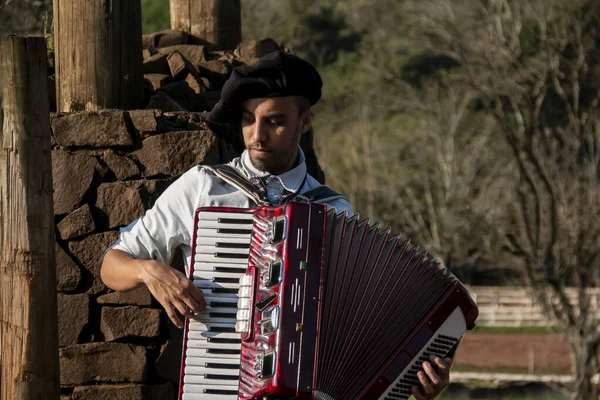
x: 120, y: 271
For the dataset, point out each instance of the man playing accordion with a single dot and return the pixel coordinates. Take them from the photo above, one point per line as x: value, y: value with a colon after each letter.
x: 271, y: 101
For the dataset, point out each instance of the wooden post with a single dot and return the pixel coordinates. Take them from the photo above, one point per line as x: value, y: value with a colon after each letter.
x: 215, y: 21
x: 29, y: 367
x: 98, y: 54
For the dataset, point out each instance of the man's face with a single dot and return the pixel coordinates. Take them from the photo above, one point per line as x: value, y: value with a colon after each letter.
x: 272, y: 128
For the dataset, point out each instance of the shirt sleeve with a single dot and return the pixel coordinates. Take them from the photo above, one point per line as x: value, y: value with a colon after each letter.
x: 167, y: 224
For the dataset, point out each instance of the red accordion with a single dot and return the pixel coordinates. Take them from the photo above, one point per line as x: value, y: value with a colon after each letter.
x: 330, y: 307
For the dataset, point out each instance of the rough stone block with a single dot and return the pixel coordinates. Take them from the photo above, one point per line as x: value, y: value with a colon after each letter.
x: 136, y: 297
x: 164, y: 38
x: 68, y: 274
x: 145, y: 121
x: 102, y: 362
x: 130, y: 321
x: 257, y: 48
x: 88, y: 252
x: 73, y: 315
x: 161, y: 100
x: 80, y: 222
x: 165, y: 391
x: 181, y: 92
x: 122, y: 166
x: 179, y: 66
x: 176, y: 152
x: 72, y: 176
x: 92, y: 129
x: 193, y: 53
x: 158, y: 80
x: 121, y: 202
x: 156, y: 64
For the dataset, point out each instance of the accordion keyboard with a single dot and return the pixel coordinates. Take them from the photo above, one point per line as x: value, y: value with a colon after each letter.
x: 212, y: 348
x: 439, y: 345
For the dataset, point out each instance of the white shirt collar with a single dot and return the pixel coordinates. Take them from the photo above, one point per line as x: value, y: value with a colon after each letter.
x: 290, y: 180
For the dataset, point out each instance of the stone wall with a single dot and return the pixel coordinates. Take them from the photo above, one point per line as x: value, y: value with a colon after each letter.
x: 108, y: 168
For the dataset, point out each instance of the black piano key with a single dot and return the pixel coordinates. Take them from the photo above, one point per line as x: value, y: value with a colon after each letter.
x: 224, y: 290
x: 223, y: 329
x: 223, y: 351
x: 231, y: 255
x: 230, y: 270
x: 229, y: 231
x: 223, y: 366
x: 232, y: 245
x: 222, y: 377
x: 235, y: 221
x: 220, y: 391
x: 221, y: 315
x: 222, y: 304
x: 220, y: 279
x: 223, y: 340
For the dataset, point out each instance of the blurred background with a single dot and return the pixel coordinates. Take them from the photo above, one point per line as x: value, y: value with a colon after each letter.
x: 471, y: 127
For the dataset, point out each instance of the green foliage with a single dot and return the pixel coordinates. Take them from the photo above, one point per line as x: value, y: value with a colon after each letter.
x: 155, y: 16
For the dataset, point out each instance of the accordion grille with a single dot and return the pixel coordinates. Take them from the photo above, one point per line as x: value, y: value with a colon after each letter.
x: 370, y: 279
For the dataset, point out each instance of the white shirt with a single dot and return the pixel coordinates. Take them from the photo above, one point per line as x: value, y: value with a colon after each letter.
x: 169, y: 223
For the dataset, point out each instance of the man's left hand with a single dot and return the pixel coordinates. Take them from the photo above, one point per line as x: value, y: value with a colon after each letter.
x: 435, y: 378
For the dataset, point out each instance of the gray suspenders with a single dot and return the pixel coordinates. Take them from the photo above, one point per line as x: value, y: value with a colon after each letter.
x: 321, y: 194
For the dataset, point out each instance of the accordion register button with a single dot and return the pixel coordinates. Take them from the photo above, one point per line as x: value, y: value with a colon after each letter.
x: 265, y: 364
x: 244, y: 302
x: 246, y: 280
x: 276, y: 233
x: 272, y: 274
x: 243, y: 315
x: 242, y: 327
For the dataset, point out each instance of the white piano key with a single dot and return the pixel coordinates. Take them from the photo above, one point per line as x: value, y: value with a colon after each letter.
x: 212, y: 299
x: 210, y: 215
x: 196, y: 392
x: 195, y: 373
x: 207, y: 382
x: 215, y: 224
x: 209, y: 292
x: 212, y: 241
x: 203, y: 335
x: 202, y: 343
x: 220, y: 260
x: 206, y: 284
x: 218, y: 274
x: 202, y: 396
x: 210, y: 266
x: 201, y: 353
x: 212, y: 233
x: 207, y: 361
x: 203, y: 249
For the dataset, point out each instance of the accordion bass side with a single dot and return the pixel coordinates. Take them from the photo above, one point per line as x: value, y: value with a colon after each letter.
x: 332, y: 307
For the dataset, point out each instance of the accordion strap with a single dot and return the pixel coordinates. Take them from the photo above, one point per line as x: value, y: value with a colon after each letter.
x: 230, y: 175
x: 321, y: 194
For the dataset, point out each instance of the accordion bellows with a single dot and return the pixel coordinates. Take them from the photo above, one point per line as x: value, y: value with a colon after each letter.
x: 333, y: 307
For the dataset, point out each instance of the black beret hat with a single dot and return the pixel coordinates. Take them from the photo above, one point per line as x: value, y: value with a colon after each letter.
x: 277, y: 74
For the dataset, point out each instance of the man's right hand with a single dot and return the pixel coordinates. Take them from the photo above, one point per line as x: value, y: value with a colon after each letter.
x: 173, y: 290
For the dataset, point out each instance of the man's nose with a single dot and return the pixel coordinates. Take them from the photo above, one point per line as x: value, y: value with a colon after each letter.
x: 259, y: 133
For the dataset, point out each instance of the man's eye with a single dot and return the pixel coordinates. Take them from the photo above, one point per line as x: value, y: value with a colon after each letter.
x: 247, y: 118
x: 275, y: 122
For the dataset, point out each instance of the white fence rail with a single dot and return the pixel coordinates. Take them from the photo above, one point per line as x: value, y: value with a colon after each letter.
x: 515, y: 307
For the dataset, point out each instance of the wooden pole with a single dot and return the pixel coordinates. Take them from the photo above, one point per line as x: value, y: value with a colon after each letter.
x: 29, y: 367
x: 98, y: 54
x: 218, y: 22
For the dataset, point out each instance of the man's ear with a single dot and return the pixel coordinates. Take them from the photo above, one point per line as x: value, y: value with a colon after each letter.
x: 306, y: 120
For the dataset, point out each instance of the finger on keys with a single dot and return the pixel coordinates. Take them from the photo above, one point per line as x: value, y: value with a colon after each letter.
x: 173, y: 316
x: 183, y: 309
x: 432, y: 374
x: 417, y: 393
x: 198, y: 297
x: 442, y: 364
x: 425, y: 383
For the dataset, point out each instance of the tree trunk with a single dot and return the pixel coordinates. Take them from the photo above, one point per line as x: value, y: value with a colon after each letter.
x: 98, y: 54
x: 218, y: 22
x: 585, y: 366
x: 28, y: 311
